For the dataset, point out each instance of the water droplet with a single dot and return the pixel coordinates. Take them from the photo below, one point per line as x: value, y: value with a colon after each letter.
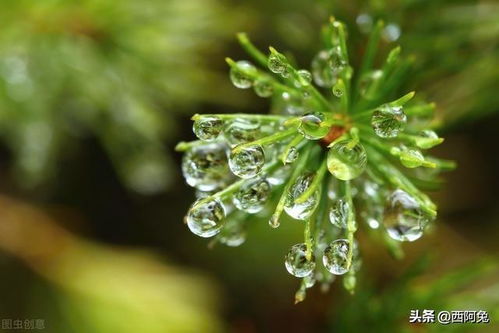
x: 277, y: 63
x: 335, y: 257
x: 365, y: 23
x: 337, y: 91
x: 207, y: 128
x: 205, y: 167
x: 391, y: 32
x: 372, y: 221
x: 242, y: 74
x: 304, y: 78
x: 301, y: 211
x: 206, y: 220
x: 252, y: 196
x: 388, y: 121
x: 296, y: 261
x: 286, y: 72
x: 309, y: 281
x: 232, y: 235
x: 242, y: 131
x: 310, y: 126
x: 247, y: 162
x: 291, y: 156
x: 326, y: 66
x: 338, y: 215
x: 427, y: 139
x: 263, y: 88
x: 345, y: 162
x: 404, y: 220
x: 274, y: 221
x: 411, y: 158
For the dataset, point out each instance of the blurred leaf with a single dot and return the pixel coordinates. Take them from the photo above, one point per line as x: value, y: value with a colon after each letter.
x: 117, y: 70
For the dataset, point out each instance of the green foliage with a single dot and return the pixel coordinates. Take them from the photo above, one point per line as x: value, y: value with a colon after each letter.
x: 116, y: 70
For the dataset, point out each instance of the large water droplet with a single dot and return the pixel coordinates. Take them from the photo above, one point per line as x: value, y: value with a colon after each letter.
x: 310, y: 126
x: 326, y: 66
x: 387, y: 121
x: 242, y: 131
x: 263, y: 88
x: 206, y: 220
x: 296, y: 261
x: 291, y: 156
x: 335, y: 257
x: 301, y: 211
x: 247, y: 162
x: 346, y: 162
x: 338, y: 215
x: 404, y: 220
x: 277, y: 63
x: 205, y: 167
x: 252, y: 196
x: 207, y: 128
x: 304, y: 78
x: 241, y: 74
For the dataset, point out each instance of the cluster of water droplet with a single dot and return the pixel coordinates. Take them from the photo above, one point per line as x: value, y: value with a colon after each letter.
x: 327, y: 66
x: 336, y: 258
x: 311, y: 145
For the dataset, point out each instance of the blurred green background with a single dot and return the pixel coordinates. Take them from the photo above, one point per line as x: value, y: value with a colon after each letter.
x: 95, y: 93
